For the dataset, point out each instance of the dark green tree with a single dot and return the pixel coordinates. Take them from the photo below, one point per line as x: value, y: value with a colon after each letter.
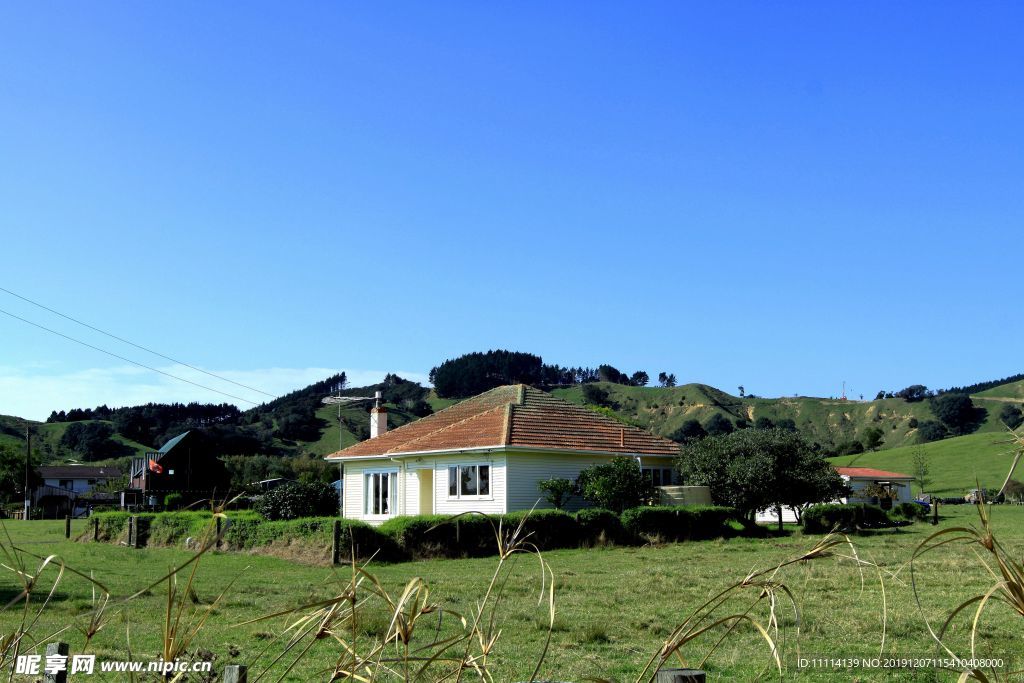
x: 556, y: 490
x: 873, y: 438
x: 12, y: 473
x: 957, y: 413
x: 931, y: 430
x: 760, y: 469
x: 1011, y: 416
x: 763, y: 423
x: 718, y: 425
x: 617, y: 485
x: 690, y: 430
x: 639, y: 379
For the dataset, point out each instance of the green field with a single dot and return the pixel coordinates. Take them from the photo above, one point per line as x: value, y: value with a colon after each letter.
x: 614, y: 605
x: 957, y: 465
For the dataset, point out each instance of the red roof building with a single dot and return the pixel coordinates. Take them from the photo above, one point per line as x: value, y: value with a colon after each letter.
x: 487, y: 454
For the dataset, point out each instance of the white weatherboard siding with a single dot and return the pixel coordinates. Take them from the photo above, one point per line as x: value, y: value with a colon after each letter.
x: 513, y: 482
x: 526, y: 469
x: 493, y: 504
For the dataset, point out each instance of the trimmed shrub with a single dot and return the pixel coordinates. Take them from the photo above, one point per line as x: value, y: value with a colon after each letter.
x: 293, y: 501
x: 426, y: 536
x: 112, y: 525
x: 821, y: 519
x: 599, y: 525
x: 546, y: 529
x: 173, y: 501
x: 249, y: 532
x: 911, y: 511
x: 679, y: 523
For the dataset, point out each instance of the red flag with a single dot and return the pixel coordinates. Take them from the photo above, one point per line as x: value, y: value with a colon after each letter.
x: 154, y: 466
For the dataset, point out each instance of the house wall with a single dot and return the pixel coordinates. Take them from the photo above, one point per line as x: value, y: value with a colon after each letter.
x: 526, y: 469
x: 77, y: 485
x: 514, y: 478
x: 858, y: 485
x: 408, y: 498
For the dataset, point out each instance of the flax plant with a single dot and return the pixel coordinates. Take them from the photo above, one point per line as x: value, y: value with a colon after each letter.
x: 1006, y: 573
x: 423, y: 640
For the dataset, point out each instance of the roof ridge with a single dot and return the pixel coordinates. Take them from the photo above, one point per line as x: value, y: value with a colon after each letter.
x: 464, y: 420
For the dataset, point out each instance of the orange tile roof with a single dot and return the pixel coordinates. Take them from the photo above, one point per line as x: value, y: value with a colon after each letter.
x: 514, y: 415
x: 871, y: 473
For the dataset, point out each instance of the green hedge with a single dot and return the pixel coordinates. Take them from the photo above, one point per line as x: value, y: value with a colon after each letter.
x: 427, y: 536
x: 600, y: 525
x: 679, y: 523
x: 821, y: 519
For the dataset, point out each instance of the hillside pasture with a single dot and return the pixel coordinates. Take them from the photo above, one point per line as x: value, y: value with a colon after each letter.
x: 615, y: 606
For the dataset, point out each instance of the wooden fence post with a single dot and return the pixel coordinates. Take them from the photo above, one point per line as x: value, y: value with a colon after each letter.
x: 60, y: 650
x: 935, y: 511
x: 95, y: 528
x: 680, y: 676
x: 336, y: 543
x: 67, y: 526
x: 236, y: 673
x: 133, y: 531
x: 218, y: 532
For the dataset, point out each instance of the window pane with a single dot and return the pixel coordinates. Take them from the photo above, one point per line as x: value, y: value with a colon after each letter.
x: 385, y: 499
x: 485, y: 480
x: 468, y: 480
x: 376, y: 495
x: 666, y: 477
x: 453, y: 481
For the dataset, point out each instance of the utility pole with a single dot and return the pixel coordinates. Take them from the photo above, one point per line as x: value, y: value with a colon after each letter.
x: 28, y: 456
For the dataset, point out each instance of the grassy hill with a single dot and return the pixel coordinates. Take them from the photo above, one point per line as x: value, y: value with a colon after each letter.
x: 46, y: 437
x: 956, y: 464
x: 824, y: 420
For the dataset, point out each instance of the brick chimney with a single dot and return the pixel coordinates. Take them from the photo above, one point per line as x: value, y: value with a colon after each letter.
x: 378, y: 417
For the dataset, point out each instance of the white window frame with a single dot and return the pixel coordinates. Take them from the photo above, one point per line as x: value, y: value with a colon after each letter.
x: 393, y: 492
x: 648, y: 470
x: 458, y: 489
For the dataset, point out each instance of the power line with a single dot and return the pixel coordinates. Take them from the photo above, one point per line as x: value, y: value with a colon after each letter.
x: 127, y: 360
x: 138, y: 346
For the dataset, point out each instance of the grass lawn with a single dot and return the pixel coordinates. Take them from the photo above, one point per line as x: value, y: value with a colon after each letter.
x: 615, y: 605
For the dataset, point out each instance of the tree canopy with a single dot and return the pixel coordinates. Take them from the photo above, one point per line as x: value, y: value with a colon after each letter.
x: 758, y: 469
x: 617, y: 485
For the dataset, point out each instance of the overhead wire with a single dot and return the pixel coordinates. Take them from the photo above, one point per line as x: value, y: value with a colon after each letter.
x: 131, y: 343
x: 127, y: 360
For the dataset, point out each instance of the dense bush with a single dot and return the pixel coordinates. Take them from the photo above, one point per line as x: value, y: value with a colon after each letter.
x: 546, y: 529
x: 173, y: 501
x: 293, y: 501
x: 599, y: 525
x: 910, y: 511
x: 616, y: 485
x: 821, y: 519
x: 425, y: 536
x: 678, y: 523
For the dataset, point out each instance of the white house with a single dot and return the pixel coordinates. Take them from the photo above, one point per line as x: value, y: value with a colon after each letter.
x: 486, y: 454
x: 858, y: 479
x: 69, y: 489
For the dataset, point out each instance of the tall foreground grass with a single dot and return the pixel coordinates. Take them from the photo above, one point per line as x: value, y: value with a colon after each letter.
x: 407, y: 634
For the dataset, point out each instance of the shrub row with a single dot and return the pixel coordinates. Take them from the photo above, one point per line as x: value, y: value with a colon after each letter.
x: 426, y: 536
x: 821, y: 519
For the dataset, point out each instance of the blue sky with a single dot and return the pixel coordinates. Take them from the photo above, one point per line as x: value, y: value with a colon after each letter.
x: 783, y: 196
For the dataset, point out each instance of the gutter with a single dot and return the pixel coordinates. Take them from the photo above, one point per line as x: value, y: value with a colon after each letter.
x: 495, y: 449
